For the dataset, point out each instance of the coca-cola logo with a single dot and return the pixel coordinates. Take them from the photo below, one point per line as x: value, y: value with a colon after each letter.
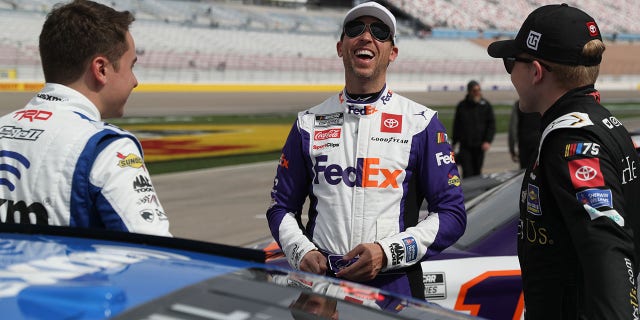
x: 327, y: 134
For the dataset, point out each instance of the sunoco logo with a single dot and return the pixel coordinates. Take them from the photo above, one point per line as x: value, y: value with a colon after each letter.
x: 130, y: 160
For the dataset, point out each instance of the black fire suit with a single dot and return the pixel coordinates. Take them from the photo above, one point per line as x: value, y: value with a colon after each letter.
x: 579, y: 208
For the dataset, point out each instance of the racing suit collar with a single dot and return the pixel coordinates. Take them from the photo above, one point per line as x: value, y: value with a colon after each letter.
x: 54, y: 93
x: 558, y: 108
x: 357, y: 99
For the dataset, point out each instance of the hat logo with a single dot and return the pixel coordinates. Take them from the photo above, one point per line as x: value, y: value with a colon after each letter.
x: 593, y: 29
x: 533, y: 39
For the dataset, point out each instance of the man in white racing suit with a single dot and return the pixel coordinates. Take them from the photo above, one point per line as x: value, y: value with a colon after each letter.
x: 60, y: 164
x: 367, y: 158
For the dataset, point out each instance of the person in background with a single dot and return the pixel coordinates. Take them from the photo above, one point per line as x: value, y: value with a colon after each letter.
x: 524, y: 135
x: 474, y: 126
x: 60, y: 163
x: 367, y: 158
x: 578, y: 236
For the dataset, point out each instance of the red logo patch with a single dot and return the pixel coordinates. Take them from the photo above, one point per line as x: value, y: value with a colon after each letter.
x: 593, y: 29
x: 391, y: 123
x: 586, y: 173
x: 327, y: 134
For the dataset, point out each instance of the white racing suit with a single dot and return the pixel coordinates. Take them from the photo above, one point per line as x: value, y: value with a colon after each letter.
x: 366, y: 168
x: 61, y: 165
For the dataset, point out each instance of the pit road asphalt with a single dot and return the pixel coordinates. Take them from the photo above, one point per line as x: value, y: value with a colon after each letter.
x: 227, y: 205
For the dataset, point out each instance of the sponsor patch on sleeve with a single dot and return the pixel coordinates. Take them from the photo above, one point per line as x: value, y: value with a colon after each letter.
x: 611, y: 214
x: 441, y: 137
x: 586, y: 173
x: 596, y: 198
x: 533, y: 200
x: 131, y: 160
x: 411, y: 249
x: 581, y: 148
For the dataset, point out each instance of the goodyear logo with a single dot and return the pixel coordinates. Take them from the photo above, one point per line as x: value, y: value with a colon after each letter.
x: 131, y: 160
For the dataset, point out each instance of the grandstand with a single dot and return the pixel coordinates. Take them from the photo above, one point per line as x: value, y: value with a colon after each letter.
x: 442, y: 42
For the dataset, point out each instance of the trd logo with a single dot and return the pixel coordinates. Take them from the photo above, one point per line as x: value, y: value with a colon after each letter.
x: 367, y: 175
x: 6, y: 165
x: 33, y: 115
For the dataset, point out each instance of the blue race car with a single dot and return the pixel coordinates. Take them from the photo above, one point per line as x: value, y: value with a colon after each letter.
x: 68, y: 273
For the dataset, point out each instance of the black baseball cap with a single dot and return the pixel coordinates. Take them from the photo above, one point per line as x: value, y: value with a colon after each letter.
x: 555, y: 33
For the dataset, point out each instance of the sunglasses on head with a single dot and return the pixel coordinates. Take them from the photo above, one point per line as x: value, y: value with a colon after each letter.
x: 378, y: 30
x: 510, y: 62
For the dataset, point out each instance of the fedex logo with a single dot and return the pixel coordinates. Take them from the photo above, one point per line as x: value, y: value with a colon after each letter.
x: 368, y: 174
x: 366, y: 110
x: 445, y: 158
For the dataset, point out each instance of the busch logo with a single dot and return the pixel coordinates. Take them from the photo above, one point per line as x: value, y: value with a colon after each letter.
x: 397, y: 253
x: 327, y: 134
x: 366, y: 175
x: 18, y: 212
x: 445, y: 158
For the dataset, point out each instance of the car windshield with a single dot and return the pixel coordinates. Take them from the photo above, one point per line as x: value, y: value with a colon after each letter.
x: 490, y: 210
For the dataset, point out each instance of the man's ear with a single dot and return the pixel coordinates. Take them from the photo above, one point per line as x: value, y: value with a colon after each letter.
x: 98, y: 69
x: 339, y: 48
x: 394, y: 54
x: 538, y: 73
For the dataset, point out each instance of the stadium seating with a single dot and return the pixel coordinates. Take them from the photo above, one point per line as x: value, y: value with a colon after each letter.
x: 188, y: 41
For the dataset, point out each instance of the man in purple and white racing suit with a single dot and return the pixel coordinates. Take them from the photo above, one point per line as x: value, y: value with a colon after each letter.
x: 367, y: 158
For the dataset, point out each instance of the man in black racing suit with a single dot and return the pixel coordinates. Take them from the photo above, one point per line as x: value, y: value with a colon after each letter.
x: 580, y: 199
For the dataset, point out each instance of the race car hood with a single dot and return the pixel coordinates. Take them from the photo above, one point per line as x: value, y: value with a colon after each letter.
x: 72, y: 276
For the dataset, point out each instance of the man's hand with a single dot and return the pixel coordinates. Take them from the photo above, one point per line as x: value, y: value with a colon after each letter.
x: 314, y: 262
x: 370, y: 262
x: 514, y: 157
x: 486, y: 146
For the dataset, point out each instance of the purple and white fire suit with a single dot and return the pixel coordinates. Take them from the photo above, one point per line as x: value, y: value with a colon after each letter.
x: 366, y: 168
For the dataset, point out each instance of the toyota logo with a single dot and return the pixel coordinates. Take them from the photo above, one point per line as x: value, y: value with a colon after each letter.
x: 391, y: 123
x: 585, y: 173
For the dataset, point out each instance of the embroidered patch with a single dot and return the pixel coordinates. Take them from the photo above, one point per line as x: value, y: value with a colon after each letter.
x: 586, y: 173
x: 533, y: 200
x: 410, y: 248
x: 596, y: 198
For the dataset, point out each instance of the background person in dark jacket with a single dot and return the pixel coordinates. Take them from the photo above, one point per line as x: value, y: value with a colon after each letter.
x: 474, y: 126
x: 524, y: 132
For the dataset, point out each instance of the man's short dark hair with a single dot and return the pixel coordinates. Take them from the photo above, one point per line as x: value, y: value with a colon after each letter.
x: 74, y: 33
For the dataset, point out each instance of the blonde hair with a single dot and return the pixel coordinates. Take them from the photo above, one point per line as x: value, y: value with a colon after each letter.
x: 577, y: 76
